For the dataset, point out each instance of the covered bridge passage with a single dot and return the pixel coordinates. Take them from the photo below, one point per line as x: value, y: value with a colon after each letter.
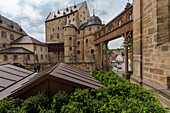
x: 120, y: 26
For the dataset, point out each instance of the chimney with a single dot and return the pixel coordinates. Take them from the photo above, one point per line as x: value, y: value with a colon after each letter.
x: 127, y: 6
x: 0, y: 19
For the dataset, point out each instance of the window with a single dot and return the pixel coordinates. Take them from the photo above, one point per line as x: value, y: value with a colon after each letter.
x: 98, y: 28
x: 99, y: 35
x: 58, y: 36
x: 5, y: 58
x: 73, y: 14
x: 78, y: 43
x: 3, y: 34
x: 70, y: 48
x: 92, y: 51
x: 80, y: 15
x: 131, y: 17
x: 68, y: 16
x: 58, y: 28
x: 3, y: 45
x: 83, y: 12
x: 69, y: 21
x: 51, y: 37
x: 46, y: 56
x: 28, y: 57
x: 89, y: 28
x: 59, y: 20
x: 41, y: 56
x: 70, y: 38
x: 80, y: 20
x: 78, y: 52
x: 86, y: 41
x: 119, y: 23
x: 111, y: 28
x: 84, y: 18
x: 41, y: 48
x: 73, y: 19
x: 53, y: 29
x: 11, y: 36
x: 78, y: 32
x: 104, y: 32
x: 15, y: 57
x: 45, y: 49
x: 35, y: 48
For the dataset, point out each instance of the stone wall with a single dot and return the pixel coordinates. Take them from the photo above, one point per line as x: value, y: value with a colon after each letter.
x: 151, y: 46
x: 5, y: 42
x: 86, y: 66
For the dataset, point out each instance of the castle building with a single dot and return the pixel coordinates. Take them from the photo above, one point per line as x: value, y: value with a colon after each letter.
x: 74, y: 27
x: 9, y: 31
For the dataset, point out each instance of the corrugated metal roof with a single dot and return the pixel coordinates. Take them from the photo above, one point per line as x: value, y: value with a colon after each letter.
x: 10, y: 25
x: 61, y: 71
x: 27, y: 40
x: 15, y: 50
x: 10, y: 75
x: 64, y: 12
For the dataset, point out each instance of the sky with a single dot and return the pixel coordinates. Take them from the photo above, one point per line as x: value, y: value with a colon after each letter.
x: 31, y: 14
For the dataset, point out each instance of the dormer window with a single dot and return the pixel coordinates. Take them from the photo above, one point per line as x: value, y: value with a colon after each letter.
x: 58, y: 12
x: 55, y: 15
x: 111, y: 28
x: 64, y: 13
x: 12, y: 26
x: 75, y: 6
x: 67, y: 9
x: 119, y: 23
x: 131, y: 17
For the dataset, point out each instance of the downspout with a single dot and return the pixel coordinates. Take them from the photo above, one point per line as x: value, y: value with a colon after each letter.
x: 141, y: 42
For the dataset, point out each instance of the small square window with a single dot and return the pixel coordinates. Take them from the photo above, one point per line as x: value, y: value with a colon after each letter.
x: 35, y: 48
x: 3, y: 34
x: 92, y: 51
x: 86, y: 41
x: 70, y: 38
x: 58, y: 36
x: 89, y: 28
x: 15, y: 57
x: 78, y: 43
x: 41, y: 56
x: 78, y: 52
x: 28, y: 57
x: 5, y: 58
x: 11, y: 36
x: 51, y: 37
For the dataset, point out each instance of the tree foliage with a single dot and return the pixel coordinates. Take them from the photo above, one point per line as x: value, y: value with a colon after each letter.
x: 119, y: 96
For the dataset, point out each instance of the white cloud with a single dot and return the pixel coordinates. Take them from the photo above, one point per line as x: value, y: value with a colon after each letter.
x: 32, y: 13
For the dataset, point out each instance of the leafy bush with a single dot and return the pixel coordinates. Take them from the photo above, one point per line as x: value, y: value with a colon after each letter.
x: 34, y: 104
x: 119, y: 96
x: 10, y: 105
x: 60, y: 99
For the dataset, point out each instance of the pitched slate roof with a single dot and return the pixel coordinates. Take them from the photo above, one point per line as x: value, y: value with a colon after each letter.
x: 61, y: 71
x: 64, y: 12
x: 10, y: 25
x: 27, y: 40
x: 10, y: 75
x: 15, y: 50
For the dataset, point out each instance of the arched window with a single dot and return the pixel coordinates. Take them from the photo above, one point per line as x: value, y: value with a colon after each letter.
x: 110, y: 28
x: 99, y: 35
x: 131, y: 17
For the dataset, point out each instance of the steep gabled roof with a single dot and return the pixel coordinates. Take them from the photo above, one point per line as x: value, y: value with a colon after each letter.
x: 60, y: 71
x: 10, y: 25
x: 64, y: 12
x: 27, y: 40
x: 10, y: 75
x: 15, y: 50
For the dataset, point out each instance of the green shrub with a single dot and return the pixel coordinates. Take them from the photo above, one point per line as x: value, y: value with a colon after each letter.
x: 10, y: 105
x: 35, y: 103
x: 59, y: 99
